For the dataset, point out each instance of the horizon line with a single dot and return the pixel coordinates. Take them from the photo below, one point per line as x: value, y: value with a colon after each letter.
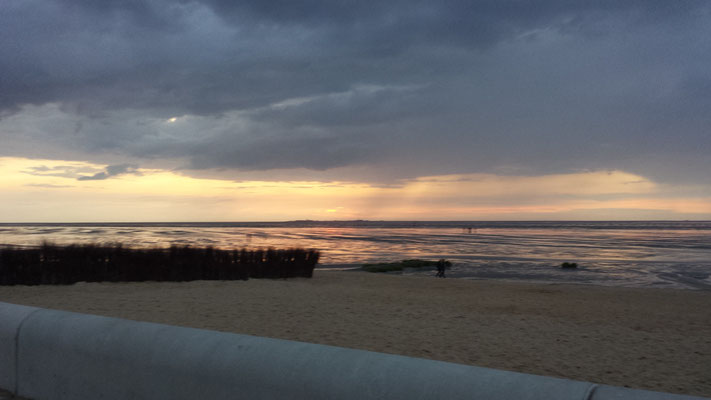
x: 348, y: 220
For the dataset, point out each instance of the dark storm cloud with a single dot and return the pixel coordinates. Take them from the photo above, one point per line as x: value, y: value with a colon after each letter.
x: 313, y: 153
x: 411, y: 87
x: 179, y: 56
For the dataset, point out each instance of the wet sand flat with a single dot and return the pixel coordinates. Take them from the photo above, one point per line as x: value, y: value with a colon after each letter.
x: 657, y: 339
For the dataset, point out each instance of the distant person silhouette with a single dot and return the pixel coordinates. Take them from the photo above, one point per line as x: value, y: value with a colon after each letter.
x: 441, y: 266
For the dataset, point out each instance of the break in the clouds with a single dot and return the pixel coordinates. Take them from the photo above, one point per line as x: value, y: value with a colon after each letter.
x: 370, y: 91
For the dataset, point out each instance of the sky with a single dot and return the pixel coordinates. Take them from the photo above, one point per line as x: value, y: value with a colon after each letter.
x: 216, y: 110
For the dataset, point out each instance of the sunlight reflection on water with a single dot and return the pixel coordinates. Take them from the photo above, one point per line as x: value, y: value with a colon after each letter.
x: 667, y: 255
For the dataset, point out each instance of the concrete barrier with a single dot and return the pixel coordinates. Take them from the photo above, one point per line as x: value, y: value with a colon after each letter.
x: 49, y: 354
x: 11, y: 318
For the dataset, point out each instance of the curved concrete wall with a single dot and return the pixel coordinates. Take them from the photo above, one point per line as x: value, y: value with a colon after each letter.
x: 11, y: 318
x: 48, y: 354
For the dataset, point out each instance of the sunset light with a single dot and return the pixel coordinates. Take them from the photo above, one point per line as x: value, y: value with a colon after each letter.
x: 516, y: 185
x: 52, y: 190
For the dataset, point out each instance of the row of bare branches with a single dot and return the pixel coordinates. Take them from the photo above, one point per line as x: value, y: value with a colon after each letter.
x: 53, y: 264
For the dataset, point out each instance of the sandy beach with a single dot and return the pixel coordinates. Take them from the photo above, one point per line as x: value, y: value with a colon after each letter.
x: 656, y: 339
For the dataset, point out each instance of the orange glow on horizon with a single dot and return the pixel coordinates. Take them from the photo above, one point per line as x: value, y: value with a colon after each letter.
x: 49, y: 190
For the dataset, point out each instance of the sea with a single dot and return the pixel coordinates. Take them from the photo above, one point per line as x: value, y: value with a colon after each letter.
x: 660, y: 254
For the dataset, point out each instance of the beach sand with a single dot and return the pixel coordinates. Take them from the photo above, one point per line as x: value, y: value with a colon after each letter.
x: 656, y: 339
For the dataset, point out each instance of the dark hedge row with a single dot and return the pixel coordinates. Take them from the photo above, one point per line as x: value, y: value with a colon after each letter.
x: 51, y: 264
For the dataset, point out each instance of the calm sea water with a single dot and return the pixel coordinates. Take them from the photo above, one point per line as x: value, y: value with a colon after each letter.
x: 633, y: 254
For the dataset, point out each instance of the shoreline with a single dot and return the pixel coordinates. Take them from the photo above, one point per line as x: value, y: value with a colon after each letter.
x: 674, y: 281
x: 647, y: 338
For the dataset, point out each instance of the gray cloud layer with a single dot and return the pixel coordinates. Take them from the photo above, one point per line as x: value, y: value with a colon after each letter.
x: 111, y: 171
x: 405, y: 87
